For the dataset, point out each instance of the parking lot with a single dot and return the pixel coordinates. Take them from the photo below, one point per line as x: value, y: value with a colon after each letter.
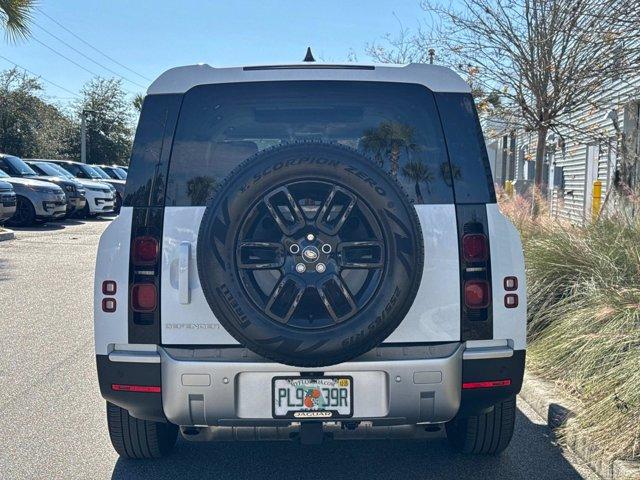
x: 53, y: 423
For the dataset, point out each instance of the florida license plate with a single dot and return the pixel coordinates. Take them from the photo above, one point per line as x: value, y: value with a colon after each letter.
x: 309, y: 398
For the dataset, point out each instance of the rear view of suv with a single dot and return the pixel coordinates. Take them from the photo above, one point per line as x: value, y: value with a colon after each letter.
x: 314, y: 250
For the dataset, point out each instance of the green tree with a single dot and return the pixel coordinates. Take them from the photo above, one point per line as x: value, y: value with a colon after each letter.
x: 15, y: 16
x: 137, y: 101
x: 30, y: 126
x: 108, y: 121
x: 389, y: 139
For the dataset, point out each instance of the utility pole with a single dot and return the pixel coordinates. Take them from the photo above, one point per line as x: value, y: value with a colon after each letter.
x: 432, y: 54
x: 83, y: 134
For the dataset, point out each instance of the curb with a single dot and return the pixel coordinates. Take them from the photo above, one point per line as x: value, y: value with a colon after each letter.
x: 7, y: 234
x: 556, y: 409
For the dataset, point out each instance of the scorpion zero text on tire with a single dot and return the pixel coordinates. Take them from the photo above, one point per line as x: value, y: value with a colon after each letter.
x: 310, y: 254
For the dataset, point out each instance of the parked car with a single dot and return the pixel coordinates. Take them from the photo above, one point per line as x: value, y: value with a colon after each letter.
x: 114, y: 171
x: 100, y: 196
x: 73, y: 190
x: 36, y: 201
x: 7, y: 200
x: 83, y: 170
x: 320, y: 250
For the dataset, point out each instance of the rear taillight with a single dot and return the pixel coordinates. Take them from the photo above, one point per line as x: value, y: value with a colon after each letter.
x: 474, y: 247
x: 144, y: 297
x: 109, y: 305
x: 477, y: 293
x: 135, y: 388
x: 145, y: 250
x: 488, y: 384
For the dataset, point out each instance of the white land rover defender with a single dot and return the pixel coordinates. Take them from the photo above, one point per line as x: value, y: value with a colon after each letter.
x: 308, y: 251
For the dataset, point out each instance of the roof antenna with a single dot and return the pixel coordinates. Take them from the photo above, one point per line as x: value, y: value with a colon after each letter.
x: 309, y: 56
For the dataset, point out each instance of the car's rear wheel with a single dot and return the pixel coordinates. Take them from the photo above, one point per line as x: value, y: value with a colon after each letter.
x: 25, y: 213
x: 135, y: 438
x: 485, y: 434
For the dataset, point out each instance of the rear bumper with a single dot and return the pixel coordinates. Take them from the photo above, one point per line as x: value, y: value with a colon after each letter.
x: 205, y: 388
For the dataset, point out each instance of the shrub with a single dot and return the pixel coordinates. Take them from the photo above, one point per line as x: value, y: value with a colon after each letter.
x: 584, y: 320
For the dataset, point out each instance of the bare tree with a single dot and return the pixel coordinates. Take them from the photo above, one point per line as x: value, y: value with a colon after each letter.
x: 536, y: 59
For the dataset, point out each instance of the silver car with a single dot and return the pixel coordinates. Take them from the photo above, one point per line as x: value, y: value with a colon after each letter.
x: 36, y: 201
x: 7, y: 201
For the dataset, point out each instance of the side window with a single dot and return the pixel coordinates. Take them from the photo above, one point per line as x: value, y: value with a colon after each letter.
x: 146, y: 179
x: 5, y: 167
x: 472, y: 180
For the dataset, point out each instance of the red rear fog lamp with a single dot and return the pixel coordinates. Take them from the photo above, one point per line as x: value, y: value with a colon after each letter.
x: 135, y: 388
x: 476, y: 293
x: 144, y: 297
x: 474, y: 247
x: 489, y: 384
x: 145, y: 250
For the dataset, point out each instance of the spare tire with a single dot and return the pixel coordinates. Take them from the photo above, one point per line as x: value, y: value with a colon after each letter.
x: 310, y: 254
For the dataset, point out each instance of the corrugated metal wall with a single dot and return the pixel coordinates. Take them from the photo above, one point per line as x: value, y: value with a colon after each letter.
x: 570, y: 154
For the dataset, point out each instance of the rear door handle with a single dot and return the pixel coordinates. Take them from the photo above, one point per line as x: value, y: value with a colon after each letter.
x: 184, y: 255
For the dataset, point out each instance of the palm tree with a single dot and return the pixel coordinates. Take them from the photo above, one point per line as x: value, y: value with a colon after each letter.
x: 389, y: 138
x: 417, y: 171
x: 15, y: 16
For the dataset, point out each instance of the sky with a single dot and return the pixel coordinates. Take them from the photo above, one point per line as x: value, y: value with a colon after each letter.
x: 150, y: 36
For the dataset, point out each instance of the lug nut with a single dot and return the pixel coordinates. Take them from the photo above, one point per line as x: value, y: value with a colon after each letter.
x: 326, y: 248
x: 311, y: 237
x: 301, y: 268
x: 294, y: 248
x: 321, y: 267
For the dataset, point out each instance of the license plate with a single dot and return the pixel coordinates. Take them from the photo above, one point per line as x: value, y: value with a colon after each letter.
x: 309, y: 398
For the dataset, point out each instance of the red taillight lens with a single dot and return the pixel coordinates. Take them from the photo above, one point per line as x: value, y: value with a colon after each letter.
x: 476, y: 294
x: 489, y: 384
x: 144, y: 297
x: 145, y: 250
x: 135, y: 388
x: 474, y: 247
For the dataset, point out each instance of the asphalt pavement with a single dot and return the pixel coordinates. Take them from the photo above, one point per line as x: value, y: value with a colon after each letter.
x: 52, y: 418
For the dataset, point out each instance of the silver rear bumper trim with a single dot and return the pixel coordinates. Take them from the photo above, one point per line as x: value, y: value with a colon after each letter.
x: 483, y: 353
x: 392, y: 391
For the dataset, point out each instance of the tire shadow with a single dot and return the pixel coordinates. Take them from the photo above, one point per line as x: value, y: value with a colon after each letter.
x: 531, y: 454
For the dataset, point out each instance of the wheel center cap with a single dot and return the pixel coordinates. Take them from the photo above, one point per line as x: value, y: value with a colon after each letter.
x: 310, y: 254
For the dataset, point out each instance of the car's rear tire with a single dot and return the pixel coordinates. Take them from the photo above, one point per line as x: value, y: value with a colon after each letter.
x: 485, y: 434
x: 25, y: 213
x: 138, y: 439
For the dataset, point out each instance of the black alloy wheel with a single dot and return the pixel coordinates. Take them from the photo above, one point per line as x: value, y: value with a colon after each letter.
x: 310, y: 254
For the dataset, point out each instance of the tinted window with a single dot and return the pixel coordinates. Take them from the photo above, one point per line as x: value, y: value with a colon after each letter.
x: 394, y: 124
x: 18, y: 167
x: 467, y: 152
x: 149, y: 157
x: 3, y: 175
x: 45, y: 169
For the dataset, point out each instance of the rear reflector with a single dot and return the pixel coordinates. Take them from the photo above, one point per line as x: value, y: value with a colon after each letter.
x: 109, y: 305
x: 109, y: 287
x: 144, y: 297
x: 474, y: 247
x: 145, y: 250
x: 476, y: 293
x: 489, y: 384
x: 135, y: 388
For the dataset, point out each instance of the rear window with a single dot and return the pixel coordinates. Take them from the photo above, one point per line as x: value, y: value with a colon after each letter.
x: 221, y: 125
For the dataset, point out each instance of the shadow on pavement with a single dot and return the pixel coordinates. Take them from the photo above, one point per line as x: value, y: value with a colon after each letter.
x: 41, y: 227
x: 530, y: 455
